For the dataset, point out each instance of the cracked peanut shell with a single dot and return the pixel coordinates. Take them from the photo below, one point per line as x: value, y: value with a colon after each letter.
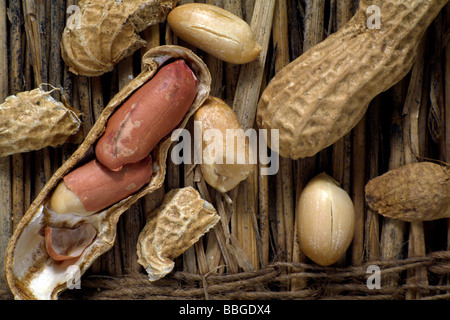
x: 32, y: 120
x: 108, y: 31
x: 182, y: 219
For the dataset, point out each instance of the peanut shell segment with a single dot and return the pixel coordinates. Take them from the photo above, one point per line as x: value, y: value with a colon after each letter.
x: 175, y: 226
x: 32, y: 120
x: 105, y: 32
x: 29, y: 272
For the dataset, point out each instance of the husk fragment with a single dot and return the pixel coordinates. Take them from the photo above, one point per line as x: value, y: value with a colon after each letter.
x: 32, y: 120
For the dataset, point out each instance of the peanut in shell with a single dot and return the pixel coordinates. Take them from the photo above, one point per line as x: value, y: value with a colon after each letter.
x: 322, y: 95
x: 30, y: 272
x: 414, y: 192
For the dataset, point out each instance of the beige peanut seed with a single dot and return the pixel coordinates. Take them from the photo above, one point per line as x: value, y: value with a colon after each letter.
x: 326, y: 220
x: 221, y: 168
x: 215, y: 31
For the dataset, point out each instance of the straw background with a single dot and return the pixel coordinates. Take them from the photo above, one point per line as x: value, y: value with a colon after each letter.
x: 254, y: 253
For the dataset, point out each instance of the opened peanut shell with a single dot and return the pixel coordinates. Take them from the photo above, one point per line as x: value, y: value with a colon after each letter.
x: 30, y: 272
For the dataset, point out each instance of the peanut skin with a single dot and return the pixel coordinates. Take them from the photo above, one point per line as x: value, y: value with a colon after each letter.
x: 97, y: 187
x: 326, y: 220
x: 152, y: 112
x: 65, y: 244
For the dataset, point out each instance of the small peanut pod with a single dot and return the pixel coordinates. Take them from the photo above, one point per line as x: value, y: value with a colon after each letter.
x: 215, y: 31
x: 413, y: 192
x: 226, y: 152
x: 326, y: 219
x: 92, y: 187
x: 32, y: 120
x: 147, y: 116
x: 181, y: 220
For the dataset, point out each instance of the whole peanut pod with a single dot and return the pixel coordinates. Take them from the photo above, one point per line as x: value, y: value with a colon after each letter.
x: 215, y: 31
x: 414, y: 192
x: 322, y: 95
x: 147, y: 116
x: 326, y: 220
x: 93, y: 187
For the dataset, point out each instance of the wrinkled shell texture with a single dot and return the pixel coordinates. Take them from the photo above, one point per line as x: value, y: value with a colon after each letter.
x: 323, y: 94
x: 33, y: 120
x: 414, y: 192
x: 109, y: 32
x: 173, y: 228
x: 27, y: 265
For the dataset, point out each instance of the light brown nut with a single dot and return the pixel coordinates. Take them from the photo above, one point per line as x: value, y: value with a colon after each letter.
x: 29, y: 271
x: 219, y: 172
x: 32, y: 120
x: 326, y: 220
x: 104, y: 32
x: 319, y: 97
x: 215, y: 31
x: 182, y: 219
x: 414, y: 192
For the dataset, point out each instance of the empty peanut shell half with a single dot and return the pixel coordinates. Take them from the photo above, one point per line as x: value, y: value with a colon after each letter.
x: 33, y: 120
x: 182, y: 219
x: 101, y: 32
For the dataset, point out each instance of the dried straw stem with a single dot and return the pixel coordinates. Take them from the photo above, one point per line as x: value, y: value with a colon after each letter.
x: 393, y: 230
x: 5, y: 166
x: 245, y: 103
x: 411, y: 111
x: 285, y: 199
x: 447, y: 105
x: 16, y: 85
x: 341, y: 149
